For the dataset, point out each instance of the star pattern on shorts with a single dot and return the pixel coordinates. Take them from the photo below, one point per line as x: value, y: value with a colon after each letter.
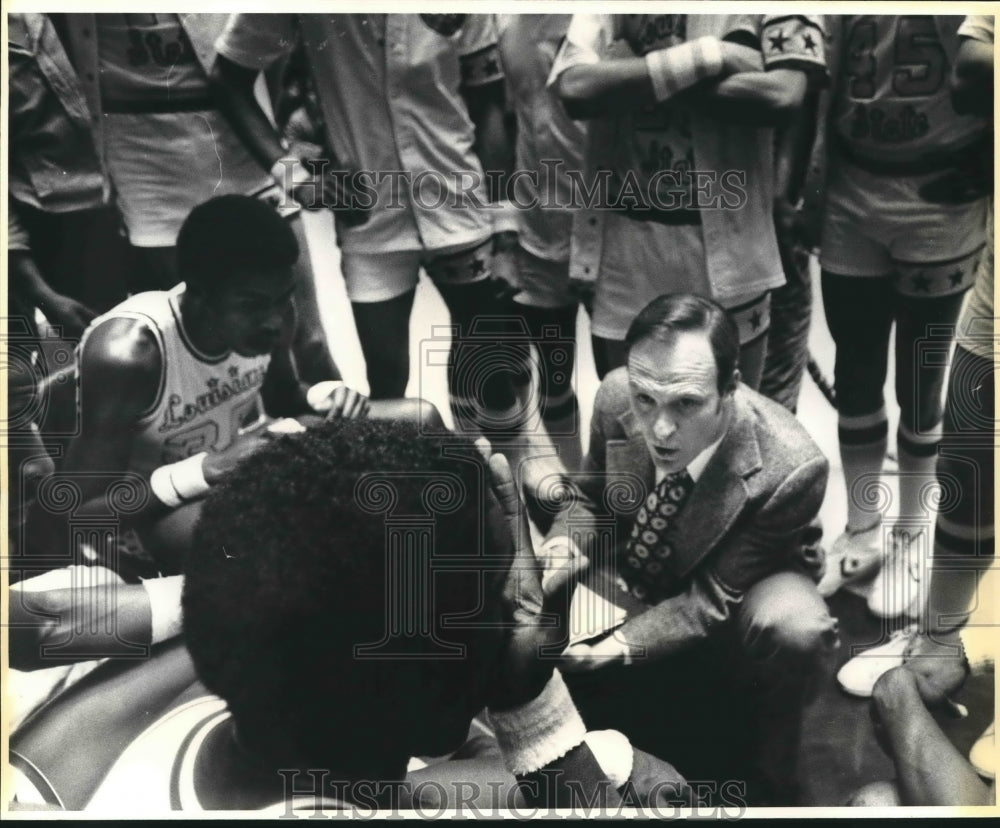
x: 491, y: 68
x: 477, y: 266
x: 234, y: 372
x: 921, y: 282
x: 808, y: 42
x: 755, y: 320
x: 956, y: 278
x: 778, y: 41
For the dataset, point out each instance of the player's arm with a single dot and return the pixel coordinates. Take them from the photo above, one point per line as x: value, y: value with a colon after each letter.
x: 929, y: 769
x: 285, y: 395
x: 972, y: 78
x: 596, y: 89
x: 28, y: 282
x: 120, y: 369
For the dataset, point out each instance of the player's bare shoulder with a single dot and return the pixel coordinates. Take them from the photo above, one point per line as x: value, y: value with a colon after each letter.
x: 122, y: 361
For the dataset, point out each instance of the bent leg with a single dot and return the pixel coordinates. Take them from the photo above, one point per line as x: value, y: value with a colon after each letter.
x: 784, y: 631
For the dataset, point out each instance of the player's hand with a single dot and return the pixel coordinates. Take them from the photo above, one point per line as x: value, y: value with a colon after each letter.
x: 586, y: 657
x: 657, y: 783
x: 538, y: 617
x: 66, y: 313
x: 938, y: 665
x: 505, y: 275
x: 217, y: 465
x: 345, y: 403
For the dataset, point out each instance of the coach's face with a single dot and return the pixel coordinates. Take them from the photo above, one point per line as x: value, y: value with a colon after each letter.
x: 674, y: 394
x: 255, y: 310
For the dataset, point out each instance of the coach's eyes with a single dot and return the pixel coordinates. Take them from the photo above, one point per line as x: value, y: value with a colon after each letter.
x: 644, y: 399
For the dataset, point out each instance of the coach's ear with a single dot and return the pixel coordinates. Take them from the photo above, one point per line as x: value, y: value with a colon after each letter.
x: 734, y: 381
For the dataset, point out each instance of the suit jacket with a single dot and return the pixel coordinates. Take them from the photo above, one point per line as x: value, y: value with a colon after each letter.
x: 744, y: 520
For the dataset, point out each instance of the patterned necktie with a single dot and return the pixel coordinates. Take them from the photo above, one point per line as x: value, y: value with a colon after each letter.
x: 643, y: 567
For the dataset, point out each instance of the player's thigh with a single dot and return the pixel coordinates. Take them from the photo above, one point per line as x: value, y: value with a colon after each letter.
x: 379, y: 277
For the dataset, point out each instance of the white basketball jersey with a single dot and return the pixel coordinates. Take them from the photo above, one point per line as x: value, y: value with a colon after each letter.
x: 202, y: 401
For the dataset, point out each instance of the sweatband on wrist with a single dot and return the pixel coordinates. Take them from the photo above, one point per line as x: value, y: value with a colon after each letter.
x: 289, y: 171
x: 677, y: 68
x: 188, y: 478
x: 537, y: 733
x: 613, y: 752
x: 163, y: 487
x: 318, y: 395
x: 504, y: 216
x: 165, y: 606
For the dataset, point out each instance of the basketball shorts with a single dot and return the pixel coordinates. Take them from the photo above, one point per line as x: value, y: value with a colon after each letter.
x: 879, y: 226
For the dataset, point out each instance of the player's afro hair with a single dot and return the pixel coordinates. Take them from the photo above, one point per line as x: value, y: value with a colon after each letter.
x: 288, y: 575
x: 228, y: 235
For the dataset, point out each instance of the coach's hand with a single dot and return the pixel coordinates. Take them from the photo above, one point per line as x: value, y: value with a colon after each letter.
x: 218, y: 464
x: 538, y: 618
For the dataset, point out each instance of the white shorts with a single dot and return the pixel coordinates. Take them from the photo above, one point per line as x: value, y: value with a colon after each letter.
x: 379, y: 277
x: 879, y: 226
x: 642, y: 260
x: 544, y: 283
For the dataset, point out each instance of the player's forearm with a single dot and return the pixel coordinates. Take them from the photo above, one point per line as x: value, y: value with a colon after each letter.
x: 598, y: 89
x: 755, y: 98
x: 972, y: 79
x: 929, y: 769
x: 492, y: 145
x: 25, y: 277
x: 59, y: 625
x: 233, y: 87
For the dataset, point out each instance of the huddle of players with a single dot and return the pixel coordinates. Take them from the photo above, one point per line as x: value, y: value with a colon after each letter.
x: 185, y: 371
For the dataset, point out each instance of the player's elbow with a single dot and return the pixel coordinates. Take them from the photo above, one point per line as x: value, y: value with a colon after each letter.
x: 579, y: 91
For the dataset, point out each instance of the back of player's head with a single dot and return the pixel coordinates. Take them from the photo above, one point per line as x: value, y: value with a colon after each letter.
x: 228, y: 236
x: 671, y: 313
x: 324, y: 544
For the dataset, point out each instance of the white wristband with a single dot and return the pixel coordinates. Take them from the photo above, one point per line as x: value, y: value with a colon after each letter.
x: 504, y: 217
x: 537, y: 733
x: 613, y: 752
x: 162, y: 485
x: 165, y: 606
x: 676, y: 68
x: 318, y: 395
x: 289, y: 171
x: 188, y: 478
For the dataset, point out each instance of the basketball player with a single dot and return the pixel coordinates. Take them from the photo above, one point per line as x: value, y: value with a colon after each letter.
x: 890, y: 254
x: 680, y: 107
x: 174, y: 386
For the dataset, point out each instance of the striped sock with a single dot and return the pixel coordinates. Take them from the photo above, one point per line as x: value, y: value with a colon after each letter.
x: 863, y: 444
x: 917, y: 478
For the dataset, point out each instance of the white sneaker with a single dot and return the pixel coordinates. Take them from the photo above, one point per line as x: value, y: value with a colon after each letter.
x: 896, y: 589
x: 983, y: 755
x: 859, y: 675
x: 853, y: 557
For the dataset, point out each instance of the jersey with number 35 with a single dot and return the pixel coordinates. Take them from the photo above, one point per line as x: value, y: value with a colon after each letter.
x: 893, y: 101
x: 202, y: 400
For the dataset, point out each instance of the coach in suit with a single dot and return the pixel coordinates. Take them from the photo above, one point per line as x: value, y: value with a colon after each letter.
x: 696, y: 506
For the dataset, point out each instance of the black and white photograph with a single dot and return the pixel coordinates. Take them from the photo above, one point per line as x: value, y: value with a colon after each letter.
x: 498, y: 409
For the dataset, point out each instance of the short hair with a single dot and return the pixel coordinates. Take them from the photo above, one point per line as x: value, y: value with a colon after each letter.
x: 227, y: 235
x: 670, y: 313
x: 287, y: 574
